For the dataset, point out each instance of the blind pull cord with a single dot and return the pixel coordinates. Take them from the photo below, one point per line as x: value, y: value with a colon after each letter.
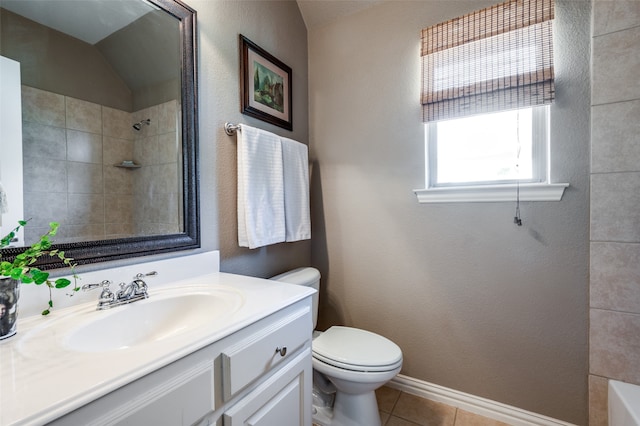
x: 517, y: 219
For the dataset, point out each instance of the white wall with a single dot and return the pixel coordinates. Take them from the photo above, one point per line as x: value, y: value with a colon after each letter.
x: 476, y: 303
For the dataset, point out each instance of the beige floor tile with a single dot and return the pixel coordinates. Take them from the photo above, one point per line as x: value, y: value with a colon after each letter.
x: 423, y: 412
x: 465, y: 418
x: 397, y: 421
x: 387, y: 398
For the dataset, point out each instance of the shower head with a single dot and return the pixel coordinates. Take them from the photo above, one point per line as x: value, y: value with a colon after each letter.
x: 139, y: 124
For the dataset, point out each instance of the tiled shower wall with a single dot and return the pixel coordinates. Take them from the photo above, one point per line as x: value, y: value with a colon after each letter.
x: 71, y: 149
x: 614, y: 348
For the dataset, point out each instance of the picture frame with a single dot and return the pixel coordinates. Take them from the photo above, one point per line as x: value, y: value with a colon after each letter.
x: 265, y: 85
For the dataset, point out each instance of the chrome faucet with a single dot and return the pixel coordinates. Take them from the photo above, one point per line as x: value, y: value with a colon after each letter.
x: 128, y: 293
x: 107, y: 298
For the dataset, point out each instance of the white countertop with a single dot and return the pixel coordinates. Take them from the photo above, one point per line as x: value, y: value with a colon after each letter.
x: 40, y: 384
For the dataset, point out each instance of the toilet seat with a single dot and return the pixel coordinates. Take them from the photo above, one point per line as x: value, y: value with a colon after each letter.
x: 356, y: 350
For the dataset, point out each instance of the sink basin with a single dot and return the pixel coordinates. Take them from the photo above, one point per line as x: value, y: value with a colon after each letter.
x: 150, y: 320
x: 164, y: 317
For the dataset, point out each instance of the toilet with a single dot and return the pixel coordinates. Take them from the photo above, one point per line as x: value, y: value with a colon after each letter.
x: 349, y: 364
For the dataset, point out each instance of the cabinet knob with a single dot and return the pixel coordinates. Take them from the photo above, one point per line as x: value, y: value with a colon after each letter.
x: 282, y: 351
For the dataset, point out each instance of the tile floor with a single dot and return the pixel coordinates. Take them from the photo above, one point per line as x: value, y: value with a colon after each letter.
x: 402, y: 409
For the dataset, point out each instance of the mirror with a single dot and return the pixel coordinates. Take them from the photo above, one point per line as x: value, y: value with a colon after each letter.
x: 109, y: 124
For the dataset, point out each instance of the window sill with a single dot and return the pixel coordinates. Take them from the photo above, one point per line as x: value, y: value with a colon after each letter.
x: 492, y: 193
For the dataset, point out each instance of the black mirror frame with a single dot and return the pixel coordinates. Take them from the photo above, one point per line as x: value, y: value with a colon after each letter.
x: 90, y: 252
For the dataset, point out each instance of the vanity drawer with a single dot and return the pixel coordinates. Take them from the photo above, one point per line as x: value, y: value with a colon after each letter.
x: 260, y: 352
x: 179, y: 394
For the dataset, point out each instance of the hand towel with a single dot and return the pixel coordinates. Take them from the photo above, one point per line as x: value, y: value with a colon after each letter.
x: 4, y: 204
x: 295, y: 159
x: 261, y: 218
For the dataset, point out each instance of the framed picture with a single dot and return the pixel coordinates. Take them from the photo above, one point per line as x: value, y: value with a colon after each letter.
x: 265, y: 85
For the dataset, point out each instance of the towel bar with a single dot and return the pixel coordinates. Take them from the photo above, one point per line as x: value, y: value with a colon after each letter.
x: 231, y: 128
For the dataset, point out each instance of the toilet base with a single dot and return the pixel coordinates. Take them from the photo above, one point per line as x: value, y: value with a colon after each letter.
x: 349, y: 410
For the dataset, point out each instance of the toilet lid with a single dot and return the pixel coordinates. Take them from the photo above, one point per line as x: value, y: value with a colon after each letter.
x: 356, y: 349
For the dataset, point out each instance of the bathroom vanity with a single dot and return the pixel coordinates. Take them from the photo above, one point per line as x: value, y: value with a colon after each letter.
x: 213, y: 349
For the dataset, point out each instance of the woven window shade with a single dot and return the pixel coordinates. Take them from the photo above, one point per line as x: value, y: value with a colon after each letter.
x: 495, y: 59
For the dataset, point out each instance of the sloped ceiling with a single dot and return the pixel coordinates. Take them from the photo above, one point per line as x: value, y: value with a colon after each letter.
x: 317, y: 13
x: 88, y: 20
x: 139, y: 41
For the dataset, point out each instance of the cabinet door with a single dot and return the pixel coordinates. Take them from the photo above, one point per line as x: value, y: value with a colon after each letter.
x: 179, y: 394
x: 283, y: 399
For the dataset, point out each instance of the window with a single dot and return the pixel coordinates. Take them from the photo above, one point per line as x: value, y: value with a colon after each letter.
x: 497, y: 148
x: 488, y: 80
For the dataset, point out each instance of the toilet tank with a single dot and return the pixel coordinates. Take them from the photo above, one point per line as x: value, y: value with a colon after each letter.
x: 306, y: 276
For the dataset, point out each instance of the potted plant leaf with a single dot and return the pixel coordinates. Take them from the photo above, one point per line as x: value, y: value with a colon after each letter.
x: 22, y: 269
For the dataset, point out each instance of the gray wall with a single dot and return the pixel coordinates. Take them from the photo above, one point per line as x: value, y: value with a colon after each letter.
x: 277, y: 27
x: 53, y: 61
x: 615, y: 185
x: 476, y: 303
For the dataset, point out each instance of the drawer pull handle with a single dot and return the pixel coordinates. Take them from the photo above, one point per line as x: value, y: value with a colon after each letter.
x: 282, y: 351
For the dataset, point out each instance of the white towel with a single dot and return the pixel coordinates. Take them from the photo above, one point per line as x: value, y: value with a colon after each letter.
x: 261, y: 219
x: 4, y: 204
x: 295, y: 159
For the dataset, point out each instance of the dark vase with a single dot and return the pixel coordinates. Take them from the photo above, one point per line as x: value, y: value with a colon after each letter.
x: 9, y: 293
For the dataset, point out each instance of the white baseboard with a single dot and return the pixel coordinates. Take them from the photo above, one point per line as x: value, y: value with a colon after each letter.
x: 474, y: 404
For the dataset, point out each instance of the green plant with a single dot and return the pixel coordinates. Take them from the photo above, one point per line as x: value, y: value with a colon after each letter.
x: 21, y: 267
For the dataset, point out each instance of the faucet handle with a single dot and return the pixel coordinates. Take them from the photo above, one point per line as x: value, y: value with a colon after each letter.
x: 148, y: 274
x: 106, y: 296
x: 103, y: 284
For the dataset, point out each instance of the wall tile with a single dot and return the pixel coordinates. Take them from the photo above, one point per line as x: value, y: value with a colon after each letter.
x: 118, y: 230
x: 83, y: 115
x: 615, y: 15
x: 43, y: 141
x: 86, y: 209
x: 117, y: 123
x: 615, y: 129
x: 615, y: 64
x: 167, y: 148
x: 116, y: 150
x: 119, y: 180
x: 162, y: 209
x: 615, y: 276
x: 42, y: 107
x: 84, y: 147
x: 615, y: 345
x: 598, y: 401
x: 166, y: 176
x: 85, y: 178
x: 45, y: 177
x: 32, y: 234
x: 89, y: 139
x: 614, y: 207
x: 119, y: 209
x: 45, y: 207
x: 148, y: 228
x: 167, y: 117
x: 145, y: 150
x: 84, y: 232
x: 151, y: 113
